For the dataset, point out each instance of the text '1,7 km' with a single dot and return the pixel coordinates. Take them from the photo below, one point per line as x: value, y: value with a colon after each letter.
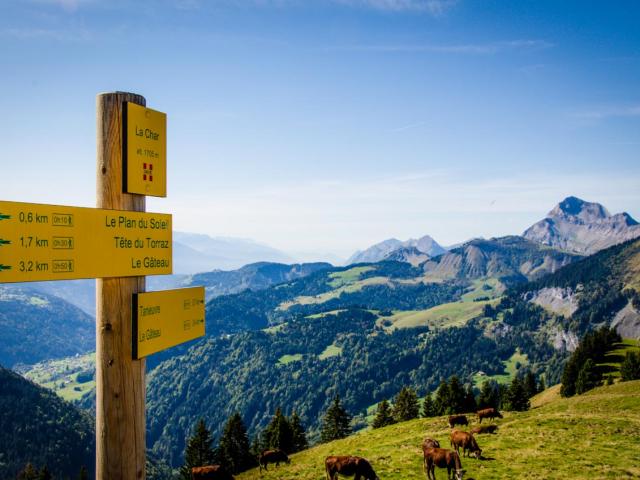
x: 49, y: 242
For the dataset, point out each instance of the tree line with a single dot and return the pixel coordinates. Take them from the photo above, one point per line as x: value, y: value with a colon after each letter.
x: 452, y: 397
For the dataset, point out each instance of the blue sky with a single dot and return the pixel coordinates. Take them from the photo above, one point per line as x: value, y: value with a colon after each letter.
x: 323, y: 126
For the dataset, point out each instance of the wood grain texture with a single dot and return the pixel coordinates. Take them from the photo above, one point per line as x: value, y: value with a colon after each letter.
x: 120, y: 381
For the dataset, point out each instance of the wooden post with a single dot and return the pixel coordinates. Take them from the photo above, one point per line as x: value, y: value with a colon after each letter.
x: 120, y: 381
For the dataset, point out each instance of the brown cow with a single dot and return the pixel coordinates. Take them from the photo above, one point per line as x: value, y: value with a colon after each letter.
x: 349, y: 467
x: 458, y: 420
x: 442, y: 458
x: 467, y: 442
x: 210, y: 472
x: 272, y: 456
x: 430, y: 443
x: 489, y: 413
x: 480, y: 429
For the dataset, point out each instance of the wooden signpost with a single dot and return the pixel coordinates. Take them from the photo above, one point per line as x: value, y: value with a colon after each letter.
x: 117, y: 243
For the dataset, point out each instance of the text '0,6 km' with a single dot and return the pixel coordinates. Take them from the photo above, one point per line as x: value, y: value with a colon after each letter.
x: 50, y: 242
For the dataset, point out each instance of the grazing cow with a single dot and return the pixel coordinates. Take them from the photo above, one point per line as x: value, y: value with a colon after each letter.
x: 467, y: 442
x: 430, y: 443
x: 272, y: 456
x: 489, y: 413
x: 442, y: 458
x: 458, y: 420
x: 210, y: 472
x: 480, y: 429
x: 349, y: 467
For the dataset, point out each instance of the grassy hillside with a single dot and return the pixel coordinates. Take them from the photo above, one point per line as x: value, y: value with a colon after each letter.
x: 586, y: 437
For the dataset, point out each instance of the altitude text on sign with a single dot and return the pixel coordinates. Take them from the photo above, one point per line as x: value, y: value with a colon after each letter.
x: 145, y: 151
x: 50, y: 242
x: 166, y: 318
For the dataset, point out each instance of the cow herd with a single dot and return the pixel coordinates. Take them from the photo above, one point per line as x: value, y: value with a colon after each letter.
x: 360, y: 468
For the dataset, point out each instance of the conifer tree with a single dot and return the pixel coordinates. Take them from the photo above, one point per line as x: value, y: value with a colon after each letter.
x: 278, y: 434
x: 384, y: 415
x: 530, y: 384
x: 44, y: 474
x: 470, y: 404
x: 298, y: 434
x: 28, y: 473
x: 588, y: 377
x: 517, y: 399
x: 199, y: 451
x: 443, y: 399
x: 456, y: 395
x: 405, y: 406
x: 489, y: 395
x: 234, y: 446
x: 630, y: 367
x: 428, y: 407
x: 84, y: 474
x: 541, y: 385
x: 336, y: 423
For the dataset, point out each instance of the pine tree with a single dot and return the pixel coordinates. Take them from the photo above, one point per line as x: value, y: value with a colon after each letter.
x: 517, y: 399
x: 470, y: 404
x: 630, y: 367
x: 298, y: 434
x: 384, y: 415
x: 278, y: 434
x: 588, y: 377
x: 405, y: 406
x: 44, y: 474
x: 234, y: 446
x: 456, y: 395
x: 199, y: 451
x: 84, y: 474
x: 530, y: 384
x: 609, y: 379
x: 443, y: 399
x: 336, y: 423
x: 428, y: 407
x: 29, y: 473
x: 489, y: 395
x: 541, y: 385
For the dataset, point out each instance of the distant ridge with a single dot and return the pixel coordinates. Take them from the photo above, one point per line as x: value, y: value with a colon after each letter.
x: 582, y: 227
x: 512, y: 259
x: 194, y: 252
x: 380, y: 251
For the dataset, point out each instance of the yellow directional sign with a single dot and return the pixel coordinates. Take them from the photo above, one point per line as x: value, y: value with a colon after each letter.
x: 50, y: 242
x: 167, y: 318
x: 145, y: 151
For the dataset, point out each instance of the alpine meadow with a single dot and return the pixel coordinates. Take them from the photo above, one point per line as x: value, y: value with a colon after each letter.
x: 319, y: 240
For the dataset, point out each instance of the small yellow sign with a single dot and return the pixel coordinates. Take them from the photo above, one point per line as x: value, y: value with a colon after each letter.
x: 145, y: 151
x: 49, y: 242
x: 164, y: 319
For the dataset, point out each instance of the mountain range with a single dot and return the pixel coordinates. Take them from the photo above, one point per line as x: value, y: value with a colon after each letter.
x: 292, y: 336
x: 573, y: 225
x: 382, y: 250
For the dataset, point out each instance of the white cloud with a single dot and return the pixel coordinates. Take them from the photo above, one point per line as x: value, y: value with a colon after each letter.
x: 68, y: 5
x: 489, y: 48
x: 602, y: 113
x: 433, y: 7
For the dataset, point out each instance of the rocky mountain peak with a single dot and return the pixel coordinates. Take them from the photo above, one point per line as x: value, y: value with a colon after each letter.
x: 574, y: 208
x: 582, y: 227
